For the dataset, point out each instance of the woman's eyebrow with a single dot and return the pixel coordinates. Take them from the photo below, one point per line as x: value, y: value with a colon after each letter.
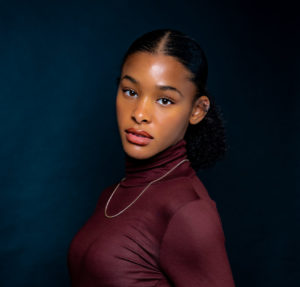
x: 131, y: 79
x: 161, y: 87
x: 165, y: 88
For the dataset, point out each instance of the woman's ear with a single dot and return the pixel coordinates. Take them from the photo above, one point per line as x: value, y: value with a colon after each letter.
x: 200, y: 109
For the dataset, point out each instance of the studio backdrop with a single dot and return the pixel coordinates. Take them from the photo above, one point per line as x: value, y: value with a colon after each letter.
x: 60, y: 145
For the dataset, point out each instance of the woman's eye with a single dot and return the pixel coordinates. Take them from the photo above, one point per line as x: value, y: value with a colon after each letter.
x: 129, y: 92
x: 165, y: 101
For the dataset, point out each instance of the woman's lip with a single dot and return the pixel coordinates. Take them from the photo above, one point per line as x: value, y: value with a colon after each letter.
x: 139, y: 140
x: 139, y: 133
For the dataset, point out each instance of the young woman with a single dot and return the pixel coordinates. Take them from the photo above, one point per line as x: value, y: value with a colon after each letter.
x: 158, y: 226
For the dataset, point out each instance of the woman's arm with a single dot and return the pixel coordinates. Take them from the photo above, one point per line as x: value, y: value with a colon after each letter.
x: 193, y: 251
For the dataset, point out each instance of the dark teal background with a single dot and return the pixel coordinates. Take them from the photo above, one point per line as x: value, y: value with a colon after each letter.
x: 60, y: 146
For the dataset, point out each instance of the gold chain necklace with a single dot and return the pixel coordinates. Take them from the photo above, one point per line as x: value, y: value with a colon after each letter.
x: 106, y: 206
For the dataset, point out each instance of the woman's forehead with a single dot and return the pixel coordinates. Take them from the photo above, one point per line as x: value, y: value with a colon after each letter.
x: 156, y: 67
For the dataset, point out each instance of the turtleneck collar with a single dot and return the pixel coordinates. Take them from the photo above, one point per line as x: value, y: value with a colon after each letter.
x: 141, y: 172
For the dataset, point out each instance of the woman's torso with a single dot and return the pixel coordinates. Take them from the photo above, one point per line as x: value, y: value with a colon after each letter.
x: 124, y: 250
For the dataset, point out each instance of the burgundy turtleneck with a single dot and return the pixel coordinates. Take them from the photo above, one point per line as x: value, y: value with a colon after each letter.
x: 171, y: 236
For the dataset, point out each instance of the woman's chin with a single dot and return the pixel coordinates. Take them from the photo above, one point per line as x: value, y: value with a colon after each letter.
x: 137, y: 151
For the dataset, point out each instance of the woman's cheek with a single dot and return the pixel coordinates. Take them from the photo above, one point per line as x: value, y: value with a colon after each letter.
x: 179, y: 123
x: 171, y: 125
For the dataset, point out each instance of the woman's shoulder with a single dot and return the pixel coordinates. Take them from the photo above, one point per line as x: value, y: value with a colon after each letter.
x: 178, y: 192
x: 104, y: 195
x: 190, y: 182
x: 197, y: 212
x: 198, y: 220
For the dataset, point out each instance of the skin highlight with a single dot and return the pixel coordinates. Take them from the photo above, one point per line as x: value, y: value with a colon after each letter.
x: 156, y: 95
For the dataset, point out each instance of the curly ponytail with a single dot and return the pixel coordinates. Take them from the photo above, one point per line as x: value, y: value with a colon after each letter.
x: 206, y: 141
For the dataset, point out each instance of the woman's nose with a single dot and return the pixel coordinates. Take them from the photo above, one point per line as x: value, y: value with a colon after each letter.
x: 142, y: 111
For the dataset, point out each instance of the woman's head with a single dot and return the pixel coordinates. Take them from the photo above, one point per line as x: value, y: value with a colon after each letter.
x: 162, y: 91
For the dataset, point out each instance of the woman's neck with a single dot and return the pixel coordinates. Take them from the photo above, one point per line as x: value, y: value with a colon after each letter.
x: 141, y: 172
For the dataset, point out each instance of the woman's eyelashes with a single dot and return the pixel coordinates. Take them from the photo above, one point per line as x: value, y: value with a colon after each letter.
x: 164, y: 101
x: 129, y: 92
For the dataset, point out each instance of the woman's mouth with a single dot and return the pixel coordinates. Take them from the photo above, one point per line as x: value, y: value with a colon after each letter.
x: 138, y: 137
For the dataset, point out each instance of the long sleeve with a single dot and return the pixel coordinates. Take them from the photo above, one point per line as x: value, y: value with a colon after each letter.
x: 192, y: 251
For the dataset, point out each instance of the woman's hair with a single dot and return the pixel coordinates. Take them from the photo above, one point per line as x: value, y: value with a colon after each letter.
x: 206, y: 140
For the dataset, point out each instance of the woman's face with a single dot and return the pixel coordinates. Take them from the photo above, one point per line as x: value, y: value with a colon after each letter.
x: 155, y: 97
